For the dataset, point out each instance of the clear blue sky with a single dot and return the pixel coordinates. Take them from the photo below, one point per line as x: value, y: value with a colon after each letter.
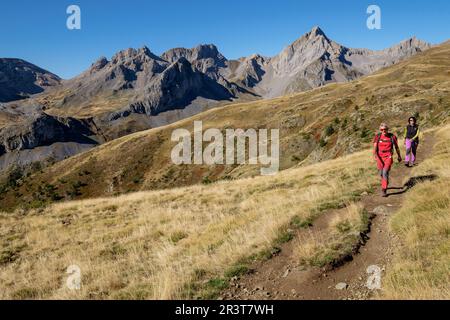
x: 36, y: 30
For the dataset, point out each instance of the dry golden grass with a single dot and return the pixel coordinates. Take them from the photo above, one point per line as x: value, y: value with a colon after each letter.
x: 55, y: 102
x: 159, y: 244
x: 335, y: 240
x: 421, y: 269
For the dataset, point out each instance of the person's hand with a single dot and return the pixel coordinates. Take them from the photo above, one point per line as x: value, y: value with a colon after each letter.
x: 399, y: 158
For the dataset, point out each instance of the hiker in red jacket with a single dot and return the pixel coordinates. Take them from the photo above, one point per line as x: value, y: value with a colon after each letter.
x: 383, y: 150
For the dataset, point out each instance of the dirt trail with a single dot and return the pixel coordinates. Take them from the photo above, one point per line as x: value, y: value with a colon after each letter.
x: 282, y: 277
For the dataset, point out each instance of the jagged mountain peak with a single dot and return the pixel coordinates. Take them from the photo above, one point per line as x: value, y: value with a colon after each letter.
x: 416, y: 42
x: 181, y: 63
x: 205, y: 51
x: 142, y: 54
x: 316, y: 31
x: 315, y: 34
x: 310, y: 47
x: 99, y: 64
x: 145, y: 50
x: 19, y: 79
x: 408, y: 47
x: 200, y: 52
x: 312, y: 43
x: 205, y: 57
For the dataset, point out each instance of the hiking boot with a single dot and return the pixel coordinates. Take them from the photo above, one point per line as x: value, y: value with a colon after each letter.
x: 384, y: 193
x: 407, y: 165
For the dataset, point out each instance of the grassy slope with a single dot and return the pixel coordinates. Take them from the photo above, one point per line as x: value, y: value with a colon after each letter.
x: 421, y: 269
x: 189, y: 241
x: 141, y: 161
x: 56, y: 105
x: 172, y: 243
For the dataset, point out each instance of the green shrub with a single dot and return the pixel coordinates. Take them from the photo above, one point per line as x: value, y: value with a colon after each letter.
x: 236, y: 271
x: 206, y: 180
x: 329, y: 130
x: 177, y: 236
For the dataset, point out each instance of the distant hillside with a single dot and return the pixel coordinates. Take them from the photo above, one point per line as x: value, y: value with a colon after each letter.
x: 19, y: 79
x: 320, y: 124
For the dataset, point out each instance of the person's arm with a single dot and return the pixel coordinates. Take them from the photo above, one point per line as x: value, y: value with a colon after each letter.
x: 375, y: 148
x: 397, y: 149
x: 417, y: 134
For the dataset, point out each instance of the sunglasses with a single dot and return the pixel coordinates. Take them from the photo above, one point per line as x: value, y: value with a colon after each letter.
x: 384, y: 129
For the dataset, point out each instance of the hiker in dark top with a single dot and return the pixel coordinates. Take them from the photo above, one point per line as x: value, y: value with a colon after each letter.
x: 383, y: 150
x: 412, y: 133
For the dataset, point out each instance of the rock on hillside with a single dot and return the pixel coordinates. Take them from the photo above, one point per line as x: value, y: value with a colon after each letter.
x: 38, y: 129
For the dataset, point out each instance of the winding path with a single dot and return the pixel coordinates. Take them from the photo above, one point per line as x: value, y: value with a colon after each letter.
x: 282, y: 278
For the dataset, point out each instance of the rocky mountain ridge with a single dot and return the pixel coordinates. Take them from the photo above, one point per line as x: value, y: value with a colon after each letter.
x: 137, y: 89
x: 19, y: 79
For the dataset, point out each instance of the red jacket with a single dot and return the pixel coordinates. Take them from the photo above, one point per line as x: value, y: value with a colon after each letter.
x: 386, y: 144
